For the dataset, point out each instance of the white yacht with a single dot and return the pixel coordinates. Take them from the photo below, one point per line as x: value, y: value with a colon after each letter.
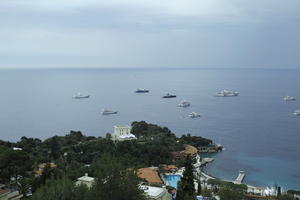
x: 226, y: 93
x: 141, y: 90
x: 194, y: 115
x: 289, y: 98
x: 297, y: 112
x: 168, y: 95
x: 184, y: 103
x: 80, y: 96
x: 108, y: 112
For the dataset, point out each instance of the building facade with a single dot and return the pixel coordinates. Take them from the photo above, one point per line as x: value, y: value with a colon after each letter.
x: 122, y: 133
x: 86, y: 180
x: 156, y: 193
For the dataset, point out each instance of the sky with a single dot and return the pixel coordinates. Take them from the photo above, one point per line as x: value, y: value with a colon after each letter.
x: 149, y: 33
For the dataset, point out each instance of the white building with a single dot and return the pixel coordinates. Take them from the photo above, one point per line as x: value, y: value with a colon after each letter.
x: 85, y: 180
x: 17, y: 149
x: 122, y: 133
x: 156, y: 193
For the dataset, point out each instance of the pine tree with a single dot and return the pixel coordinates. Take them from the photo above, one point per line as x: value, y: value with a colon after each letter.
x: 186, y: 187
x: 199, y: 189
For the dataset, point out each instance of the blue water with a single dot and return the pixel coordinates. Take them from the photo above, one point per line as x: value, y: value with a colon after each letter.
x: 173, y: 180
x: 257, y: 128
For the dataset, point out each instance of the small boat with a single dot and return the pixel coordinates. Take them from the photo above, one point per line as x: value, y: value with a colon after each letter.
x: 297, y: 112
x: 141, y: 90
x: 184, y: 104
x: 169, y: 96
x: 226, y: 93
x: 108, y: 112
x: 289, y: 98
x: 194, y: 115
x: 80, y: 96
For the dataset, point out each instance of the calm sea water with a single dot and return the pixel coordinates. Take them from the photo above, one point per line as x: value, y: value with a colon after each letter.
x: 257, y: 128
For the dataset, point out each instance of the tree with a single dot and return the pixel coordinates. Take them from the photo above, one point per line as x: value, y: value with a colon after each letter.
x: 286, y: 197
x: 48, y: 173
x: 278, y: 191
x: 55, y: 148
x: 227, y: 193
x: 58, y: 189
x: 199, y: 189
x: 186, y: 187
x: 13, y: 164
x: 206, y: 192
x: 114, y: 181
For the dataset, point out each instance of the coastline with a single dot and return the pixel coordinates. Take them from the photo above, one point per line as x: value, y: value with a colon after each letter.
x: 250, y: 188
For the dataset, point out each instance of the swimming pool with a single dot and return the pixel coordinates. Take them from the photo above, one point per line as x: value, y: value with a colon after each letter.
x: 173, y: 179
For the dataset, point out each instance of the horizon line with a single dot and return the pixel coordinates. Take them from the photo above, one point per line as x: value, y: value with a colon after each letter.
x: 147, y: 68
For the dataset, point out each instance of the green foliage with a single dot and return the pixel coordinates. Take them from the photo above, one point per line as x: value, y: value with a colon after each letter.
x: 221, y: 183
x: 206, y: 193
x: 186, y: 187
x: 13, y: 164
x: 297, y: 192
x: 286, y: 197
x: 113, y: 181
x: 48, y: 173
x: 199, y: 189
x: 227, y: 193
x: 147, y: 132
x: 196, y: 141
x: 72, y: 152
x: 56, y: 189
x: 229, y: 190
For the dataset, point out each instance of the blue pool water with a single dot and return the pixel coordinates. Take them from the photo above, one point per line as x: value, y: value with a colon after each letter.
x: 173, y: 180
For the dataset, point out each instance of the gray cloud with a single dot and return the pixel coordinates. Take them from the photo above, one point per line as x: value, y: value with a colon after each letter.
x: 149, y: 33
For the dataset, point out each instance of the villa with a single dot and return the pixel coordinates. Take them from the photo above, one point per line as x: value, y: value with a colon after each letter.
x: 85, y: 180
x: 122, y: 133
x: 156, y: 193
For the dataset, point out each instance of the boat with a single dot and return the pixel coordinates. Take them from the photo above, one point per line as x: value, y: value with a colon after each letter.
x: 108, y: 112
x: 227, y: 93
x: 194, y: 115
x: 141, y: 90
x: 184, y: 103
x: 289, y: 98
x: 169, y: 96
x: 297, y: 112
x: 80, y: 96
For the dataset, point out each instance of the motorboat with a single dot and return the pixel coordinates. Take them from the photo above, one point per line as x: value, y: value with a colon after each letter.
x: 184, y: 103
x: 194, y: 115
x: 289, y: 98
x: 141, y: 90
x: 108, y: 112
x: 227, y: 93
x: 168, y: 95
x: 80, y: 96
x: 297, y: 112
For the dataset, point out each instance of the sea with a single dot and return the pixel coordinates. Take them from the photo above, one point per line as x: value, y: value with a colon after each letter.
x: 260, y: 134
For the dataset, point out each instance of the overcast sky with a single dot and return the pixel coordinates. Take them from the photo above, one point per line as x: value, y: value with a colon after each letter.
x: 150, y: 33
